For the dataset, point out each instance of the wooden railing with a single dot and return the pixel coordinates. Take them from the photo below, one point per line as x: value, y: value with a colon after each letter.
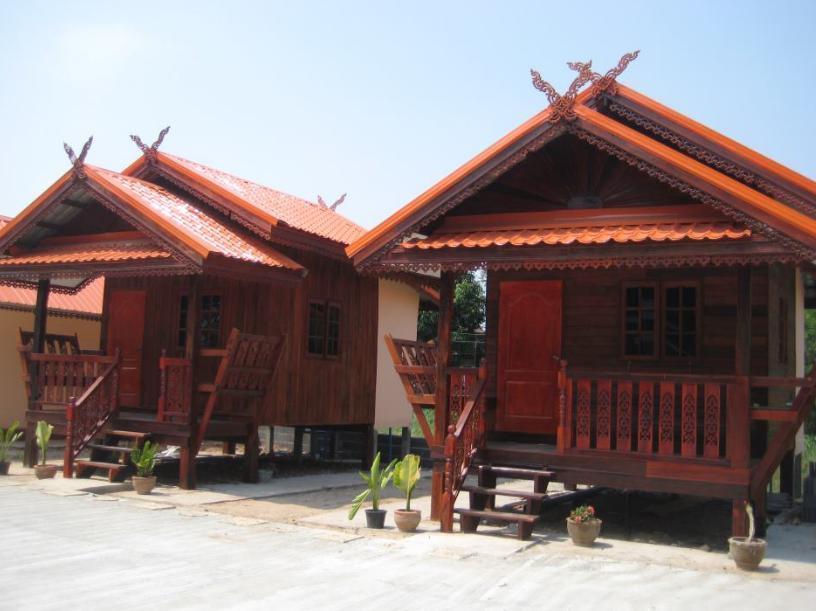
x: 86, y: 416
x: 461, y: 383
x: 52, y: 379
x: 464, y: 439
x: 673, y: 415
x: 175, y: 390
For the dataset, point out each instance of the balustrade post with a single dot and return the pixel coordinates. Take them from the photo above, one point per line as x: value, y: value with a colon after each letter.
x: 68, y: 452
x: 564, y: 431
x: 446, y: 509
x: 738, y: 431
x: 115, y: 384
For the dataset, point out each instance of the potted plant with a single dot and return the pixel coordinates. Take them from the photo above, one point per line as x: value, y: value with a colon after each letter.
x: 376, y: 480
x: 43, y: 432
x: 8, y: 437
x: 406, y: 476
x: 747, y: 552
x: 582, y: 525
x: 144, y: 459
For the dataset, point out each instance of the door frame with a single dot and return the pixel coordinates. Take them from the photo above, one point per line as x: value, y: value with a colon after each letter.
x: 107, y: 339
x: 498, y: 318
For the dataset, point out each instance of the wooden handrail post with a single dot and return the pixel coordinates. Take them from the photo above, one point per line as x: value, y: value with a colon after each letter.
x: 446, y: 509
x: 68, y: 452
x: 564, y: 410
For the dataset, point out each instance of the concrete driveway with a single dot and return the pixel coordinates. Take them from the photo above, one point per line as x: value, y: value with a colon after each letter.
x: 71, y: 550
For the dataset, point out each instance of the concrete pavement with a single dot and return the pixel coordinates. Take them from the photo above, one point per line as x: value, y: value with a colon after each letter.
x: 75, y: 550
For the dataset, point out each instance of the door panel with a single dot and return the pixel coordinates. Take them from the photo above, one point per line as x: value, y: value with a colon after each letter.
x: 529, y: 336
x: 126, y: 320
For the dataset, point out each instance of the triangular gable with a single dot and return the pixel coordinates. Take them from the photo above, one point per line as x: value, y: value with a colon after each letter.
x: 172, y: 235
x: 707, y: 184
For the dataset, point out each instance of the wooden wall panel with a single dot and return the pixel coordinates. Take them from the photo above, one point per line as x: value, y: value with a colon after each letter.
x: 306, y: 390
x: 592, y: 319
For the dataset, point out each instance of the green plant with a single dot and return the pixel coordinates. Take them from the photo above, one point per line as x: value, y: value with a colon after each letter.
x: 406, y: 476
x: 8, y: 437
x: 43, y: 432
x: 145, y: 458
x: 376, y: 480
x: 583, y: 513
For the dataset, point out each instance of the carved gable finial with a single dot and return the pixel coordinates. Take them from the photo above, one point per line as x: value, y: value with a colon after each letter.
x: 607, y: 82
x: 78, y: 162
x: 561, y: 106
x: 150, y: 151
x: 322, y: 203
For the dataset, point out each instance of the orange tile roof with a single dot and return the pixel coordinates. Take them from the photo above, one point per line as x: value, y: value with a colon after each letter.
x: 198, y: 230
x: 293, y: 211
x: 86, y: 301
x: 88, y: 252
x: 656, y: 232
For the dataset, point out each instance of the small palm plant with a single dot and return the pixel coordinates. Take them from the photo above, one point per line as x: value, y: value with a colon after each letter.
x: 144, y: 459
x: 406, y: 476
x: 43, y: 432
x: 7, y: 437
x: 376, y: 481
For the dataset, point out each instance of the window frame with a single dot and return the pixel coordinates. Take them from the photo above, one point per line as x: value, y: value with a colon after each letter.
x: 657, y: 303
x: 221, y: 339
x: 327, y: 305
x: 698, y: 318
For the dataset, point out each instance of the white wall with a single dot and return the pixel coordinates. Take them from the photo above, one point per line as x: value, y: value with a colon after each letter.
x: 397, y: 314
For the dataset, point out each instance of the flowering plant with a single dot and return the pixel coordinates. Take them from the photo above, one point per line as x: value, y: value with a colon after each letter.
x: 583, y: 513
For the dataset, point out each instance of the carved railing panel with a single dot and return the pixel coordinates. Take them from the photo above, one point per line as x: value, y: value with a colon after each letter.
x: 175, y: 390
x: 461, y: 444
x: 87, y: 416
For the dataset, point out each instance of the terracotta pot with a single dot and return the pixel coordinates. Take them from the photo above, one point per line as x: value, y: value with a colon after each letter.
x: 143, y: 485
x: 45, y: 471
x: 4, y: 467
x: 407, y: 520
x: 747, y: 554
x: 584, y: 533
x: 375, y: 518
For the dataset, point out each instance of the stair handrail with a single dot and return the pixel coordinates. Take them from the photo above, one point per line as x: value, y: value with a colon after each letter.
x: 86, y: 416
x: 784, y: 436
x: 461, y: 444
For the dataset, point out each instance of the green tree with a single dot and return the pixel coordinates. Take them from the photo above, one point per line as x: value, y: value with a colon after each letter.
x: 468, y: 309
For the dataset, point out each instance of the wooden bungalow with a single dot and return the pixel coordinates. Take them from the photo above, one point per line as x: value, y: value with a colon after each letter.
x: 227, y: 305
x: 644, y: 305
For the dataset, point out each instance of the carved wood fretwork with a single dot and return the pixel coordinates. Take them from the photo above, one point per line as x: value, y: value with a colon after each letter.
x: 712, y: 159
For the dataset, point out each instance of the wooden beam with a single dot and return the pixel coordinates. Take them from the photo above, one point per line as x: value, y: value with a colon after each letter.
x: 47, y: 225
x: 446, y: 292
x: 74, y: 204
x: 742, y: 342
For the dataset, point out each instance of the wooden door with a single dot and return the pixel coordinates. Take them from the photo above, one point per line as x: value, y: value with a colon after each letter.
x: 126, y: 322
x: 529, y: 336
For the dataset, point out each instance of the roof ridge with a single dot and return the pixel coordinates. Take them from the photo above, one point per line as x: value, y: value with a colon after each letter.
x: 308, y: 204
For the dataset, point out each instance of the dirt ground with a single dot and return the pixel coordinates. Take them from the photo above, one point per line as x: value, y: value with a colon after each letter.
x: 665, y: 519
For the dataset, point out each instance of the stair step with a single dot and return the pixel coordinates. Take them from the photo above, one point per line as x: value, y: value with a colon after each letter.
x: 98, y: 464
x: 537, y: 496
x: 128, y: 434
x: 100, y: 446
x: 469, y: 520
x: 518, y: 472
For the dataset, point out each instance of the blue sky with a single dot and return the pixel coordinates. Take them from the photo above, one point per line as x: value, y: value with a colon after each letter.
x: 376, y: 99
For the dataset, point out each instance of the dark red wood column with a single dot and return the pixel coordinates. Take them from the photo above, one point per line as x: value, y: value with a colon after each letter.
x: 37, y: 345
x: 187, y: 468
x: 443, y: 338
x: 739, y: 425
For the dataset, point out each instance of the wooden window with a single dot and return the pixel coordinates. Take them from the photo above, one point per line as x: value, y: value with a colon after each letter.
x: 184, y: 304
x: 681, y: 319
x: 324, y: 329
x: 317, y: 328
x: 210, y: 326
x: 639, y: 320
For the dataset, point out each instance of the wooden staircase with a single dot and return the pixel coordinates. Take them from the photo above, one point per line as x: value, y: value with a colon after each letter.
x: 483, y: 499
x: 111, y: 452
